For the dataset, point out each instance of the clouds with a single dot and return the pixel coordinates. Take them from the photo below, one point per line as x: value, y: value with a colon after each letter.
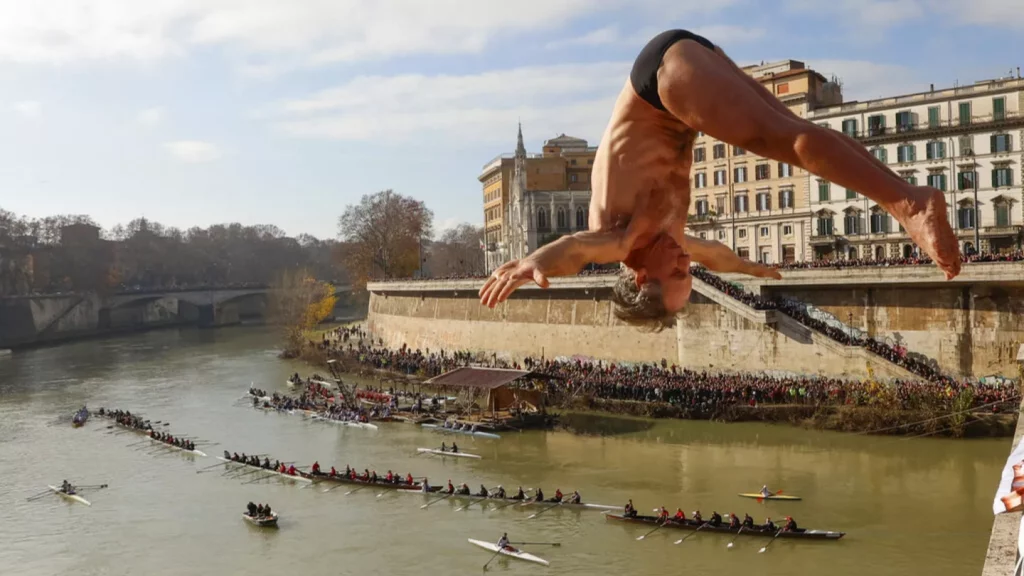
x: 721, y: 34
x: 27, y: 108
x: 571, y: 98
x: 150, y: 117
x: 863, y: 80
x: 193, y: 151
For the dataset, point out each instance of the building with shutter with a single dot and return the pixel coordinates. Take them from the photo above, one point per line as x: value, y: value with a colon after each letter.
x: 964, y: 140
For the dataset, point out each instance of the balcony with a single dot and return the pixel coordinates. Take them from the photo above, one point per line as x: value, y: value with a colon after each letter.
x: 1012, y: 230
x: 702, y: 220
x: 823, y: 239
x: 889, y: 134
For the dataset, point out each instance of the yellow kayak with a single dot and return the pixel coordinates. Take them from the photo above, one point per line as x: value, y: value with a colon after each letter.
x: 772, y: 497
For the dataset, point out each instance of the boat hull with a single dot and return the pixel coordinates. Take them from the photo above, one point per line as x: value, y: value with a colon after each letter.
x: 178, y: 448
x: 297, y: 478
x: 442, y: 429
x: 264, y: 522
x: 69, y: 497
x: 518, y: 554
x: 346, y: 423
x: 452, y: 454
x: 772, y: 497
x: 690, y: 525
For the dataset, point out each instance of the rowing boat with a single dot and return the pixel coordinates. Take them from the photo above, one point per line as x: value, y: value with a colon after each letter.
x: 263, y: 521
x: 173, y: 447
x: 80, y: 417
x: 801, y: 533
x: 760, y: 496
x: 518, y: 554
x: 349, y: 423
x: 282, y: 474
x: 69, y: 497
x: 528, y: 502
x: 446, y: 453
x: 414, y: 488
x: 442, y: 429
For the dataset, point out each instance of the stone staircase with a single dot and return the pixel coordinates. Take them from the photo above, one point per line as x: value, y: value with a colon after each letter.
x: 765, y: 317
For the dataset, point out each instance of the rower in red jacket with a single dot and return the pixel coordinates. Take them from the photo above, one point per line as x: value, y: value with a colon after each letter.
x: 316, y: 467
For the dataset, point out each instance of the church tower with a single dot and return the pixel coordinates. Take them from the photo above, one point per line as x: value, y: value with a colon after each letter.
x: 515, y: 235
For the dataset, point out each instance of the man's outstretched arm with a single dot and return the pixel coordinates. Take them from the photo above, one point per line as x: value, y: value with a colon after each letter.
x: 717, y: 257
x: 563, y: 257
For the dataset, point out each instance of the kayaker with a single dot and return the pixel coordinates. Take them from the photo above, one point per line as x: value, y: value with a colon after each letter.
x: 680, y: 516
x: 455, y: 448
x: 500, y: 493
x: 697, y: 517
x: 444, y: 447
x: 765, y: 492
x: 748, y: 522
x: 716, y: 519
x: 484, y: 492
x: 734, y: 522
x: 769, y: 525
x: 65, y: 487
x: 504, y: 544
x: 575, y: 498
x: 630, y: 510
x: 790, y: 524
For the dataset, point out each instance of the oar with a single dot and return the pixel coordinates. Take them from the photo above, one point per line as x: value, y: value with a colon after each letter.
x: 535, y: 514
x: 683, y: 539
x: 512, y: 503
x: 335, y: 487
x: 478, y: 499
x: 536, y: 543
x: 40, y: 495
x: 92, y: 487
x: 492, y: 558
x: 258, y: 479
x: 209, y: 468
x: 642, y: 536
x: 438, y: 500
x: 736, y: 536
x: 761, y: 551
x: 761, y: 499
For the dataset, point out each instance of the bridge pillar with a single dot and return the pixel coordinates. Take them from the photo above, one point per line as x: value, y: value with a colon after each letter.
x: 207, y: 315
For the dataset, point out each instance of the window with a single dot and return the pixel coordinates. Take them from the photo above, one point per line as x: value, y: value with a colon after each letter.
x: 965, y: 216
x: 937, y: 180
x: 700, y: 180
x: 720, y: 204
x: 737, y: 151
x: 739, y: 174
x: 851, y: 194
x: 782, y: 88
x: 785, y: 170
x: 721, y: 234
x: 852, y: 224
x: 701, y: 206
x: 764, y: 201
x: 698, y: 154
x: 1002, y: 214
x: 879, y: 222
x: 824, y: 194
x: 935, y: 150
x: 1002, y: 177
x: 933, y: 116
x: 910, y: 177
x: 574, y: 177
x: 563, y: 222
x: 965, y: 180
x: 743, y: 252
x: 850, y: 127
x: 999, y: 108
x: 718, y: 151
x: 762, y: 172
x: 572, y: 162
x: 904, y: 121
x: 880, y: 154
x: 876, y: 125
x: 582, y: 218
x: 965, y: 113
x: 740, y: 203
x: 720, y: 178
x: 741, y: 233
x: 824, y: 225
x: 906, y: 153
x: 787, y: 230
x: 785, y: 198
x: 764, y: 231
x: 542, y: 219
x: 703, y: 235
x: 966, y: 144
x: 1000, y: 143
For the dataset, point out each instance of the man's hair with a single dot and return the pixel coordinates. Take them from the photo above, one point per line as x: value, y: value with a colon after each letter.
x: 640, y: 307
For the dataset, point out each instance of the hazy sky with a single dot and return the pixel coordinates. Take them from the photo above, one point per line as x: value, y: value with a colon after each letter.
x: 193, y: 112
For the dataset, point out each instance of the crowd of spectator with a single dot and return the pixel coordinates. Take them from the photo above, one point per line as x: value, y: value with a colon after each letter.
x: 702, y: 394
x: 915, y: 260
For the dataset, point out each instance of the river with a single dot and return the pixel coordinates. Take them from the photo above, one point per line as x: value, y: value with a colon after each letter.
x: 909, y: 506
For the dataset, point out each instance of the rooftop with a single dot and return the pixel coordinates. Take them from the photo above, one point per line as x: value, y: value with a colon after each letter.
x: 473, y: 377
x: 980, y: 87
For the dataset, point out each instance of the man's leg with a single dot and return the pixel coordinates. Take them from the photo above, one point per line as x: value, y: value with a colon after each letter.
x: 703, y: 90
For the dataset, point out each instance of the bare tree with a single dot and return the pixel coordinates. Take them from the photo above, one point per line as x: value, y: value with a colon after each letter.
x: 457, y: 252
x: 384, y: 235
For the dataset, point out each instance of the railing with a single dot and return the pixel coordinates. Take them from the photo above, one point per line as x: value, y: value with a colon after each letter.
x: 880, y: 131
x: 921, y: 97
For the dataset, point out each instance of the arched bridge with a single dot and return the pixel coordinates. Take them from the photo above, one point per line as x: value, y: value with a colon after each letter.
x: 198, y: 296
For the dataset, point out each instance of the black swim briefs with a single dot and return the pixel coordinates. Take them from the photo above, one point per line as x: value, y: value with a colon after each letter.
x: 644, y: 76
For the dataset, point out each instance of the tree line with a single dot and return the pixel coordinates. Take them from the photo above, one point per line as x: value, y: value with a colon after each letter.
x: 384, y: 236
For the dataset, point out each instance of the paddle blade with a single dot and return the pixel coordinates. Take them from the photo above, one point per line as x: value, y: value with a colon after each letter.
x: 761, y: 551
x: 424, y: 506
x: 680, y: 541
x: 641, y: 537
x: 531, y: 516
x: 730, y: 545
x: 460, y: 508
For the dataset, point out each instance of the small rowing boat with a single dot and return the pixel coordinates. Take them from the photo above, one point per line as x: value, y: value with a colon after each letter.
x: 446, y: 453
x: 173, y: 447
x: 348, y: 423
x: 442, y: 429
x: 281, y: 474
x: 262, y: 521
x: 517, y: 554
x: 800, y: 534
x: 69, y: 497
x: 760, y: 496
x: 80, y: 417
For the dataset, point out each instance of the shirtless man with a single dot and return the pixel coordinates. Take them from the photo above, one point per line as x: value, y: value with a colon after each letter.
x: 681, y: 83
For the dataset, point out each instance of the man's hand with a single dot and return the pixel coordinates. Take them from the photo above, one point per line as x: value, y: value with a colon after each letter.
x: 761, y: 271
x: 510, y: 276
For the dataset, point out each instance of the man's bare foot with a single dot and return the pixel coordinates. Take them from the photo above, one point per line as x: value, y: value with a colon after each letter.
x: 923, y: 215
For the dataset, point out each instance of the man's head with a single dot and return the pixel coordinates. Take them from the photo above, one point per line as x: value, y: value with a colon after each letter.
x: 654, y: 285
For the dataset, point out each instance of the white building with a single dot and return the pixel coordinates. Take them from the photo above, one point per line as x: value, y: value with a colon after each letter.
x: 964, y: 140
